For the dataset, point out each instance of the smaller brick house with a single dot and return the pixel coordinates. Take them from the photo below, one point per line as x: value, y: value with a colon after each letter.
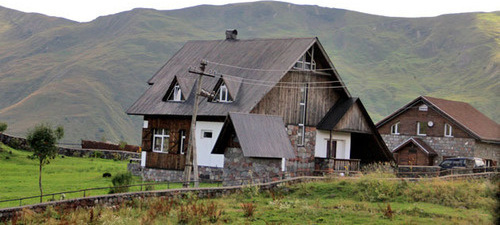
x: 428, y: 130
x: 253, y: 154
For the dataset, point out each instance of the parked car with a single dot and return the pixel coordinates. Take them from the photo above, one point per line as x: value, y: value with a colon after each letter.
x: 463, y: 162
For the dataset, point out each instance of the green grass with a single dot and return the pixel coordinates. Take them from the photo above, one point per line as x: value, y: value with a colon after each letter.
x: 19, y: 176
x: 323, y: 202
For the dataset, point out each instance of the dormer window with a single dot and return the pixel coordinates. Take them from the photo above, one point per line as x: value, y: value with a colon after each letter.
x: 222, y: 94
x: 395, y: 128
x: 306, y: 62
x: 174, y: 92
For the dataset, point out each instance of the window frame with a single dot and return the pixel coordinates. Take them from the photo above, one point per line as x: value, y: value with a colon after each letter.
x: 175, y: 94
x: 222, y: 94
x: 301, y: 133
x: 395, y: 131
x: 182, y: 138
x: 421, y: 125
x: 202, y: 135
x: 163, y: 136
x: 450, y: 129
x: 303, y: 64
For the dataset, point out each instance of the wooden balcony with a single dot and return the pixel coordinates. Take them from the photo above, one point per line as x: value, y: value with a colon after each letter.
x: 167, y: 161
x: 334, y: 165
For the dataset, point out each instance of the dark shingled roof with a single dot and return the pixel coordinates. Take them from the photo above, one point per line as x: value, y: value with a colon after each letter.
x: 419, y: 143
x: 462, y: 114
x: 262, y: 136
x: 269, y: 60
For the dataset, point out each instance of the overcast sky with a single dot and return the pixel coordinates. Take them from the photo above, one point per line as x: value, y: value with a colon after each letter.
x: 87, y: 10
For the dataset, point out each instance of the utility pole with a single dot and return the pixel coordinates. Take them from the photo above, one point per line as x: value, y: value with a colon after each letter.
x: 191, y: 151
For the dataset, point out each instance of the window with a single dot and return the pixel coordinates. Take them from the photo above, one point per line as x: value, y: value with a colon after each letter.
x: 448, y: 130
x: 331, y: 149
x: 182, y: 138
x: 421, y: 129
x: 160, y: 140
x: 206, y: 134
x: 306, y: 62
x: 395, y: 128
x: 174, y: 93
x: 222, y: 94
x: 302, y: 115
x: 423, y: 108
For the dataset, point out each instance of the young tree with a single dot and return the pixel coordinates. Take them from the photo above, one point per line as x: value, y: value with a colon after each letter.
x: 3, y: 127
x: 43, y: 139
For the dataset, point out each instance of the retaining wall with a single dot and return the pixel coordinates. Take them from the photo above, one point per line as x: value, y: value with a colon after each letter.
x: 117, y: 199
x: 152, y: 174
x: 21, y: 143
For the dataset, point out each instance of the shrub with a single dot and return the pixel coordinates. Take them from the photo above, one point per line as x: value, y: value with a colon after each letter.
x: 3, y: 127
x: 15, y: 143
x: 120, y: 180
x: 122, y: 145
x: 248, y: 209
x: 96, y: 154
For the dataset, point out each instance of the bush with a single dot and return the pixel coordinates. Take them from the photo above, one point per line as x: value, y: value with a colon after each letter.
x: 120, y: 180
x: 122, y: 145
x: 3, y: 127
x: 14, y: 143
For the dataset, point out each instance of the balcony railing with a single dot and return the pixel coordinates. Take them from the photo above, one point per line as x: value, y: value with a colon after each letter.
x: 165, y: 161
x: 336, y: 165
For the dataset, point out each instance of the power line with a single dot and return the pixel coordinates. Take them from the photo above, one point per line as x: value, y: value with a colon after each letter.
x: 264, y: 70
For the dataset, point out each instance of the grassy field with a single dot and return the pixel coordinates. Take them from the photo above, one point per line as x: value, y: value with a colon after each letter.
x: 19, y: 176
x: 341, y: 201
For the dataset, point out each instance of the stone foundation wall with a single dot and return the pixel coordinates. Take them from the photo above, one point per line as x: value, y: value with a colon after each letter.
x: 303, y: 163
x: 152, y: 174
x: 20, y: 143
x: 444, y: 146
x: 240, y: 170
x: 487, y: 151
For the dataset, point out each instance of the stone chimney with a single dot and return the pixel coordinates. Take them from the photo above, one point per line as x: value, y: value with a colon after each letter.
x: 231, y: 34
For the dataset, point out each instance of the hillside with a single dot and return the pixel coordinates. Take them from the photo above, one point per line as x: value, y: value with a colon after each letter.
x: 85, y: 75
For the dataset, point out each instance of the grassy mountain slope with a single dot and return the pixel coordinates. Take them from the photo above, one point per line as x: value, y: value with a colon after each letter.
x: 85, y: 75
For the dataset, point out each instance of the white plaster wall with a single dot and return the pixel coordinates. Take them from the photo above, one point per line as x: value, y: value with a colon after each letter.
x: 205, y: 145
x: 343, y: 144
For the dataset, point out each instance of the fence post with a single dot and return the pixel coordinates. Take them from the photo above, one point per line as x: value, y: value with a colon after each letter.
x: 141, y: 186
x: 20, y: 200
x: 168, y: 184
x: 84, y: 193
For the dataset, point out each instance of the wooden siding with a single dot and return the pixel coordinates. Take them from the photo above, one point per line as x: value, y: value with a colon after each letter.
x: 353, y: 120
x: 165, y: 161
x: 173, y: 125
x: 284, y: 102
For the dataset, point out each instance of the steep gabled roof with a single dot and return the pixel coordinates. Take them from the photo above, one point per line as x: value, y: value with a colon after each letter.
x: 262, y: 136
x: 265, y: 60
x: 417, y: 142
x: 462, y: 114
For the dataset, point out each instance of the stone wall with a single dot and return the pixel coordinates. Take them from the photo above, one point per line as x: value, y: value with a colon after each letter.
x: 152, y: 174
x: 444, y: 146
x: 488, y: 151
x: 303, y: 163
x: 20, y: 143
x: 240, y: 170
x: 118, y: 199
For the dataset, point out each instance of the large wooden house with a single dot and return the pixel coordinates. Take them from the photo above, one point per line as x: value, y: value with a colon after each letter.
x: 292, y: 78
x: 428, y: 130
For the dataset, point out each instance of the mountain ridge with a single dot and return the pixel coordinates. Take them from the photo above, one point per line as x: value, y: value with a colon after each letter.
x: 85, y: 75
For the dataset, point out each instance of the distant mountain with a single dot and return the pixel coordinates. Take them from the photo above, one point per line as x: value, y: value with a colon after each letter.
x: 85, y: 75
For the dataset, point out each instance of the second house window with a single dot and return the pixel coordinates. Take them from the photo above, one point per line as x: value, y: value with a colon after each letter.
x: 160, y: 140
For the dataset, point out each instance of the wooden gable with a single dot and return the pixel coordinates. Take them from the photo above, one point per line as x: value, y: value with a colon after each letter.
x: 353, y: 120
